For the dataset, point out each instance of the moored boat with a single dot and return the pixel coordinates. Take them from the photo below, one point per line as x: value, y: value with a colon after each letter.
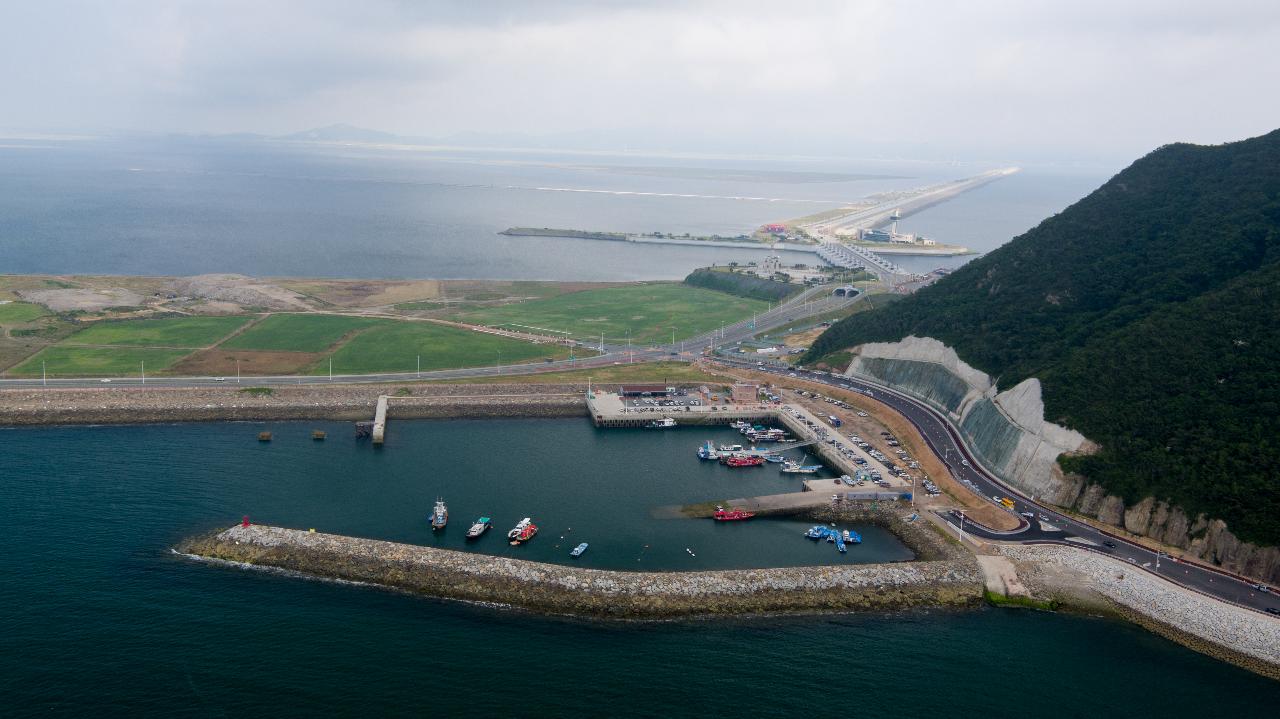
x: 730, y: 448
x: 439, y: 515
x: 731, y: 515
x: 664, y: 423
x: 747, y: 461
x: 479, y: 527
x: 578, y: 550
x: 523, y: 532
x: 708, y: 451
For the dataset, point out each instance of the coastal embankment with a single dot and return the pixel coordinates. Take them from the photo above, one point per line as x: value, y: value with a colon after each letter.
x: 1081, y: 579
x: 1008, y: 434
x: 135, y: 405
x: 589, y: 592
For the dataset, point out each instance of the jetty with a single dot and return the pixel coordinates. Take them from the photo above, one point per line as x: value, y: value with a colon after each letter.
x: 947, y: 579
x: 380, y: 420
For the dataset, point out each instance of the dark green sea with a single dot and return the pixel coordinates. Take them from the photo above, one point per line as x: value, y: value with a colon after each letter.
x: 98, y: 617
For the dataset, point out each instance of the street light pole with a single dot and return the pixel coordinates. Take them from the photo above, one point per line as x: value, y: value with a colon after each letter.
x: 144, y: 372
x: 418, y: 372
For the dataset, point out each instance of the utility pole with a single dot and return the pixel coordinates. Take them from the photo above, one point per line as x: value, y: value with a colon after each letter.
x: 330, y: 369
x: 44, y: 381
x: 144, y: 372
x: 418, y: 372
x: 673, y: 335
x: 961, y: 527
x: 237, y: 370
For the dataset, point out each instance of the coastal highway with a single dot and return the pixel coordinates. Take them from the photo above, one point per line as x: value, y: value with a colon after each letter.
x: 944, y: 440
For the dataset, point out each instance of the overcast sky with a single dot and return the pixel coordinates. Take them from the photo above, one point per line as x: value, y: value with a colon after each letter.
x: 1070, y: 79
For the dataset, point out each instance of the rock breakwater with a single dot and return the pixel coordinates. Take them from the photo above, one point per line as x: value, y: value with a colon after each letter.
x: 589, y: 592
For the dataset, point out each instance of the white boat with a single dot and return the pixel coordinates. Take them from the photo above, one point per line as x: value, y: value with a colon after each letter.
x: 730, y: 448
x: 664, y: 423
x: 520, y: 527
x: 578, y: 550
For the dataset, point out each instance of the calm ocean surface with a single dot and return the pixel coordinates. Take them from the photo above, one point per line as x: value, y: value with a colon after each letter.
x: 184, y: 206
x: 98, y: 617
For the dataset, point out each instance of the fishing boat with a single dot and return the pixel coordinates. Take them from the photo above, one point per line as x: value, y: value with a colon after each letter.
x: 731, y: 515
x: 800, y: 467
x: 840, y: 544
x: 664, y: 423
x: 740, y: 425
x: 817, y: 531
x: 730, y: 448
x: 523, y: 532
x: 708, y: 451
x: 439, y: 515
x: 479, y: 527
x: 578, y: 550
x: 747, y: 461
x: 852, y: 537
x: 775, y: 458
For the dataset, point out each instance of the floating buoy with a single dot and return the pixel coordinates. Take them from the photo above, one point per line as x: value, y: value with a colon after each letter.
x: 318, y: 434
x: 264, y: 436
x: 245, y: 521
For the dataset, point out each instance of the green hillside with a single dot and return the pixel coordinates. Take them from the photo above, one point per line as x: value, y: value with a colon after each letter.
x: 1149, y: 312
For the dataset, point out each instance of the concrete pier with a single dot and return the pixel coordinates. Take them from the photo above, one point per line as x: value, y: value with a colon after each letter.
x: 380, y: 420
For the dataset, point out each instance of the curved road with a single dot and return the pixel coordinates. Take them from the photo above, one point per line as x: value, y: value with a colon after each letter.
x: 943, y: 438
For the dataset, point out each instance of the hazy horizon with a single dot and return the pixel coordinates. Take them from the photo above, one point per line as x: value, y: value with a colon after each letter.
x: 991, y: 81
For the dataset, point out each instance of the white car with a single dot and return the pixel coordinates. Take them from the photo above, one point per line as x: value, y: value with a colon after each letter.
x: 862, y: 414
x: 219, y: 379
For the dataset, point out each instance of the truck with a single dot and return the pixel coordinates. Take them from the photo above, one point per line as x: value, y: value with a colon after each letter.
x: 834, y: 420
x: 1008, y: 503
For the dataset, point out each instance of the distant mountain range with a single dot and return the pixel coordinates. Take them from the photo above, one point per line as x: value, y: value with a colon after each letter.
x: 1150, y: 312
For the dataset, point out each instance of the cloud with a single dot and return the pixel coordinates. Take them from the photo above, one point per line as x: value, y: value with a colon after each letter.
x: 1002, y: 77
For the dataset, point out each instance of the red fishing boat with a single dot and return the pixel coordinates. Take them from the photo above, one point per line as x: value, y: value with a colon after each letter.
x: 523, y: 532
x: 731, y: 515
x: 749, y: 461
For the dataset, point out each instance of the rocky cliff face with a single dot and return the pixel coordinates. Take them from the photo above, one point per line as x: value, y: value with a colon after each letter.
x: 1008, y: 432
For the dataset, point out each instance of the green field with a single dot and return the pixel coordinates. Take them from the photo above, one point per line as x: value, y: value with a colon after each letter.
x: 395, y: 346
x: 648, y: 312
x: 297, y: 333
x: 64, y: 360
x: 169, y: 332
x: 18, y: 312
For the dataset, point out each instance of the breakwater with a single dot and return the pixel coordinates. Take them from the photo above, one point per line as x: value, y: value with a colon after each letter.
x: 137, y: 405
x: 589, y: 592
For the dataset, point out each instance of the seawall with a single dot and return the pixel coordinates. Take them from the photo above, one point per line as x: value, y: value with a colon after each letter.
x: 338, y: 402
x: 596, y: 593
x: 1081, y: 579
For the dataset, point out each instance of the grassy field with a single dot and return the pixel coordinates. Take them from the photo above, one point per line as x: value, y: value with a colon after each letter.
x: 297, y: 333
x: 18, y: 312
x: 65, y: 360
x: 168, y: 332
x: 395, y: 346
x: 648, y: 311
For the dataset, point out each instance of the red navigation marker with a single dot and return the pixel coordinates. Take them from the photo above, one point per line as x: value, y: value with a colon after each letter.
x: 245, y: 521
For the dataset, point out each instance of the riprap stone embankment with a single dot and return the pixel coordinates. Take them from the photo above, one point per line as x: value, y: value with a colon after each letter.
x: 119, y: 405
x: 1077, y: 577
x: 589, y: 592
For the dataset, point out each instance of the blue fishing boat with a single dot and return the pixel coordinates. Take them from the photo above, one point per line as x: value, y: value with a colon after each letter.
x: 578, y: 550
x: 817, y: 531
x: 840, y: 543
x: 775, y: 458
x: 852, y: 537
x: 708, y: 451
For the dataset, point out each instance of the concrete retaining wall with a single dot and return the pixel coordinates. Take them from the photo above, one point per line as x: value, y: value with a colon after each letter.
x: 1006, y: 429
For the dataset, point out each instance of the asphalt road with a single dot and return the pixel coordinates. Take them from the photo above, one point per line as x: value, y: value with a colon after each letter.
x: 944, y: 440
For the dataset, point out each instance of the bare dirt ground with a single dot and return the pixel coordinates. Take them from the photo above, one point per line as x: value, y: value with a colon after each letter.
x: 82, y: 299
x: 803, y: 339
x: 240, y: 290
x: 222, y: 363
x: 365, y: 293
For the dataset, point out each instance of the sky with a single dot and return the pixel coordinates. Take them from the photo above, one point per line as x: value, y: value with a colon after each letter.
x: 1058, y: 81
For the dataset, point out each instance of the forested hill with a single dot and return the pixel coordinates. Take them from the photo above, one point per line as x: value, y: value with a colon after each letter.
x: 1150, y: 311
